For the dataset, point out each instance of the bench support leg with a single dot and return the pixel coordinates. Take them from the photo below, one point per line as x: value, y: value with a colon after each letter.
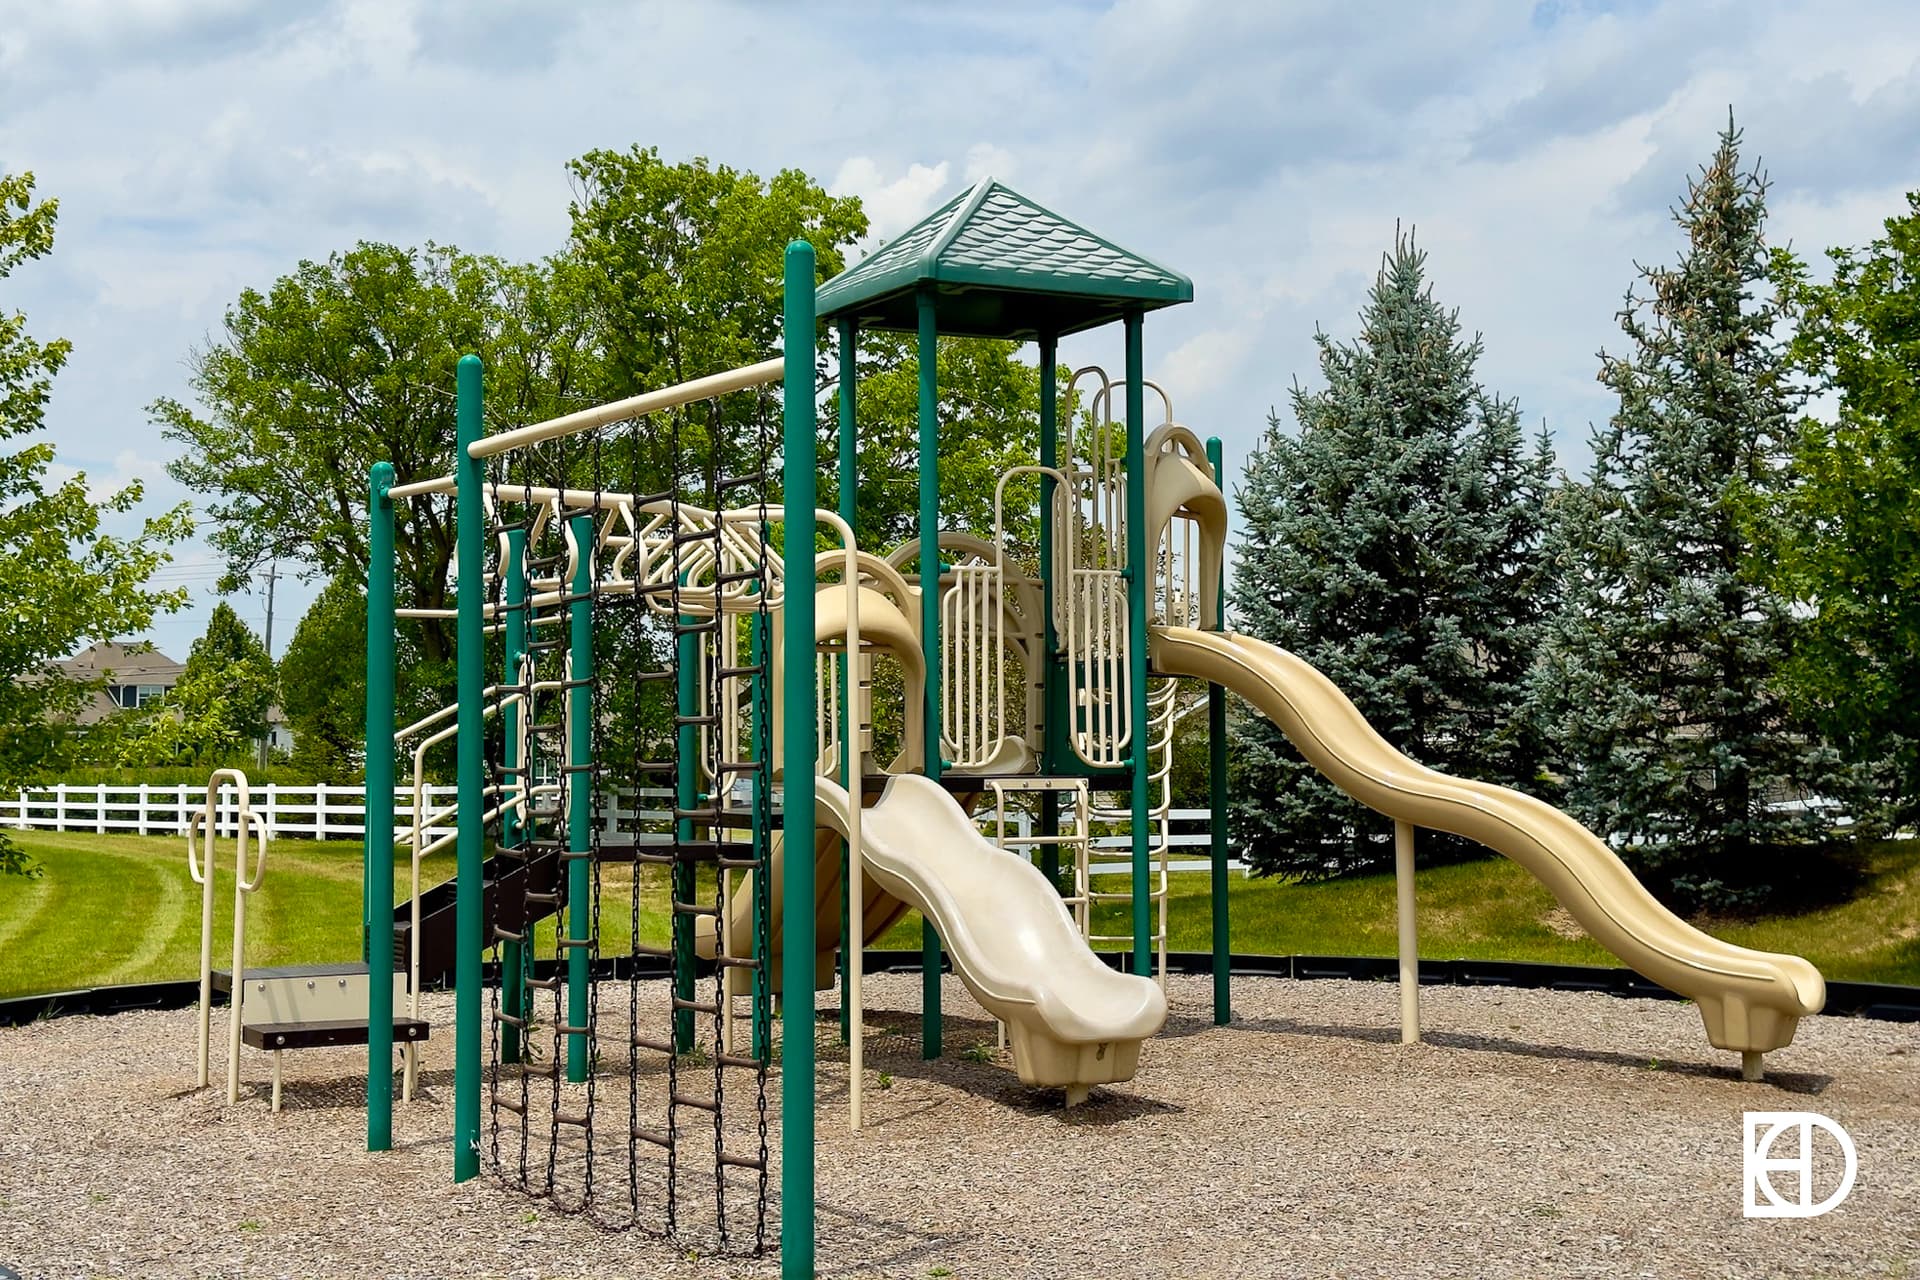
x: 276, y: 1079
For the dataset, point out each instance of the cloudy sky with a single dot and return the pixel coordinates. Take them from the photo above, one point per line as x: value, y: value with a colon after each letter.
x: 199, y: 147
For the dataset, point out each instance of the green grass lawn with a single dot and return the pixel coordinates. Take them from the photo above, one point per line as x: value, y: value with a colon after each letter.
x: 114, y: 909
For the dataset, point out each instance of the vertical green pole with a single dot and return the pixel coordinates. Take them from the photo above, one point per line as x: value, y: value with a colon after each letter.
x: 849, y: 668
x: 929, y: 356
x: 1139, y: 581
x: 686, y: 794
x: 580, y: 764
x: 379, y: 811
x: 1217, y: 779
x: 513, y: 965
x: 1049, y: 457
x: 759, y: 638
x: 470, y: 846
x: 799, y: 756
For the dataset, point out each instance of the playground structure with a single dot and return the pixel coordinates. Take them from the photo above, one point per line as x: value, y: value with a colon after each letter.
x: 274, y: 1009
x: 644, y: 583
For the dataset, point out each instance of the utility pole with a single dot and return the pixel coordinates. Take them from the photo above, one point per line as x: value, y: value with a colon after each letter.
x: 266, y: 737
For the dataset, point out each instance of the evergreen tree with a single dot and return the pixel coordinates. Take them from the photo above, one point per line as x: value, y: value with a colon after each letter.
x: 1395, y: 543
x: 1661, y: 667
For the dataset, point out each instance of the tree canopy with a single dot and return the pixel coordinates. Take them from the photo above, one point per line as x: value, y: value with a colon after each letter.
x: 1395, y: 543
x: 323, y: 682
x: 66, y: 583
x: 1662, y: 678
x: 349, y: 362
x: 218, y: 707
x: 1848, y: 545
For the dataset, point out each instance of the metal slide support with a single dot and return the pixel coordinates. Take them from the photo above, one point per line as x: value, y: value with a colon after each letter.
x: 379, y: 808
x: 580, y: 767
x: 1409, y: 933
x: 849, y: 664
x: 470, y: 842
x: 1139, y: 574
x: 1217, y: 800
x: 800, y: 761
x: 928, y: 351
x: 513, y: 987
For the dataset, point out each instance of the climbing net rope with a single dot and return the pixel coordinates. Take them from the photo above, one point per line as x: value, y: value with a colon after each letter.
x: 627, y: 902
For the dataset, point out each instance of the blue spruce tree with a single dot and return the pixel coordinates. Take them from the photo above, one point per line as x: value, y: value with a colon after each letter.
x: 1394, y: 542
x: 1660, y: 678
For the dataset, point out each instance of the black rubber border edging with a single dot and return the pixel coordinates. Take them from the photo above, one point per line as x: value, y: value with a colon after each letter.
x: 1878, y: 1000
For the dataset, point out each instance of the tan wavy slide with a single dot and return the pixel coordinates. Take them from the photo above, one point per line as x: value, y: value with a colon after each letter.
x: 1750, y: 1000
x: 1072, y: 1021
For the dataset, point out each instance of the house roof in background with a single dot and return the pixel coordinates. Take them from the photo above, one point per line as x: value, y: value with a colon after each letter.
x: 122, y: 664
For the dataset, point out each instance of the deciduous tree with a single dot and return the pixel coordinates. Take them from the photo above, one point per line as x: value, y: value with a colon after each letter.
x: 64, y: 581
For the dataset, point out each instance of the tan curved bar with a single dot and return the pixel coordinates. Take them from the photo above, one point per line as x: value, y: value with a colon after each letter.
x: 1749, y: 1000
x: 1179, y: 479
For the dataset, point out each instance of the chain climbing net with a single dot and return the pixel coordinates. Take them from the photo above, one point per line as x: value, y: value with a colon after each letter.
x: 630, y: 771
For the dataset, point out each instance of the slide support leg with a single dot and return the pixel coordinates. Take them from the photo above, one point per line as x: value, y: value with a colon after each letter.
x: 1409, y: 934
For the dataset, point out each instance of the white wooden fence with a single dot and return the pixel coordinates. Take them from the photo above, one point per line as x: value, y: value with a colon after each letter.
x: 329, y: 811
x: 318, y: 811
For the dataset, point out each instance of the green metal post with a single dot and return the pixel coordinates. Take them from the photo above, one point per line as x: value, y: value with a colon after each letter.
x: 759, y: 629
x: 513, y: 964
x: 1049, y: 457
x: 580, y: 764
x: 379, y: 811
x: 1139, y: 580
x: 929, y: 356
x: 470, y: 846
x: 850, y: 512
x: 686, y: 794
x: 1217, y: 778
x: 797, y: 802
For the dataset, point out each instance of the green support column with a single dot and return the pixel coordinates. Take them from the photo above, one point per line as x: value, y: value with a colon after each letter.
x: 1217, y: 800
x: 580, y: 763
x: 1139, y: 581
x: 850, y: 512
x: 379, y: 808
x: 929, y: 356
x: 1049, y: 457
x: 759, y: 629
x: 513, y: 963
x: 470, y: 846
x: 686, y: 794
x: 799, y: 761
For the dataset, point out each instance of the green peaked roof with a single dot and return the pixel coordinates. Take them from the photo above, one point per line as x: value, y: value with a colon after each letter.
x: 1000, y: 266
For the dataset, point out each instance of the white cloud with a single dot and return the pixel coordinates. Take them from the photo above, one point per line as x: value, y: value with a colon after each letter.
x: 892, y: 204
x: 202, y: 146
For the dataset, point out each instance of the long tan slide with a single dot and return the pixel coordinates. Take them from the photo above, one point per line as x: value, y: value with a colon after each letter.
x: 1072, y: 1021
x: 1750, y: 1000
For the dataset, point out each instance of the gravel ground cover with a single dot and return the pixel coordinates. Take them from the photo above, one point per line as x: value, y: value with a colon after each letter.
x: 1533, y: 1134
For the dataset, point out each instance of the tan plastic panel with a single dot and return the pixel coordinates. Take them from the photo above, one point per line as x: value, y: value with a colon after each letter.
x: 313, y: 997
x: 1074, y: 1021
x: 1750, y: 1000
